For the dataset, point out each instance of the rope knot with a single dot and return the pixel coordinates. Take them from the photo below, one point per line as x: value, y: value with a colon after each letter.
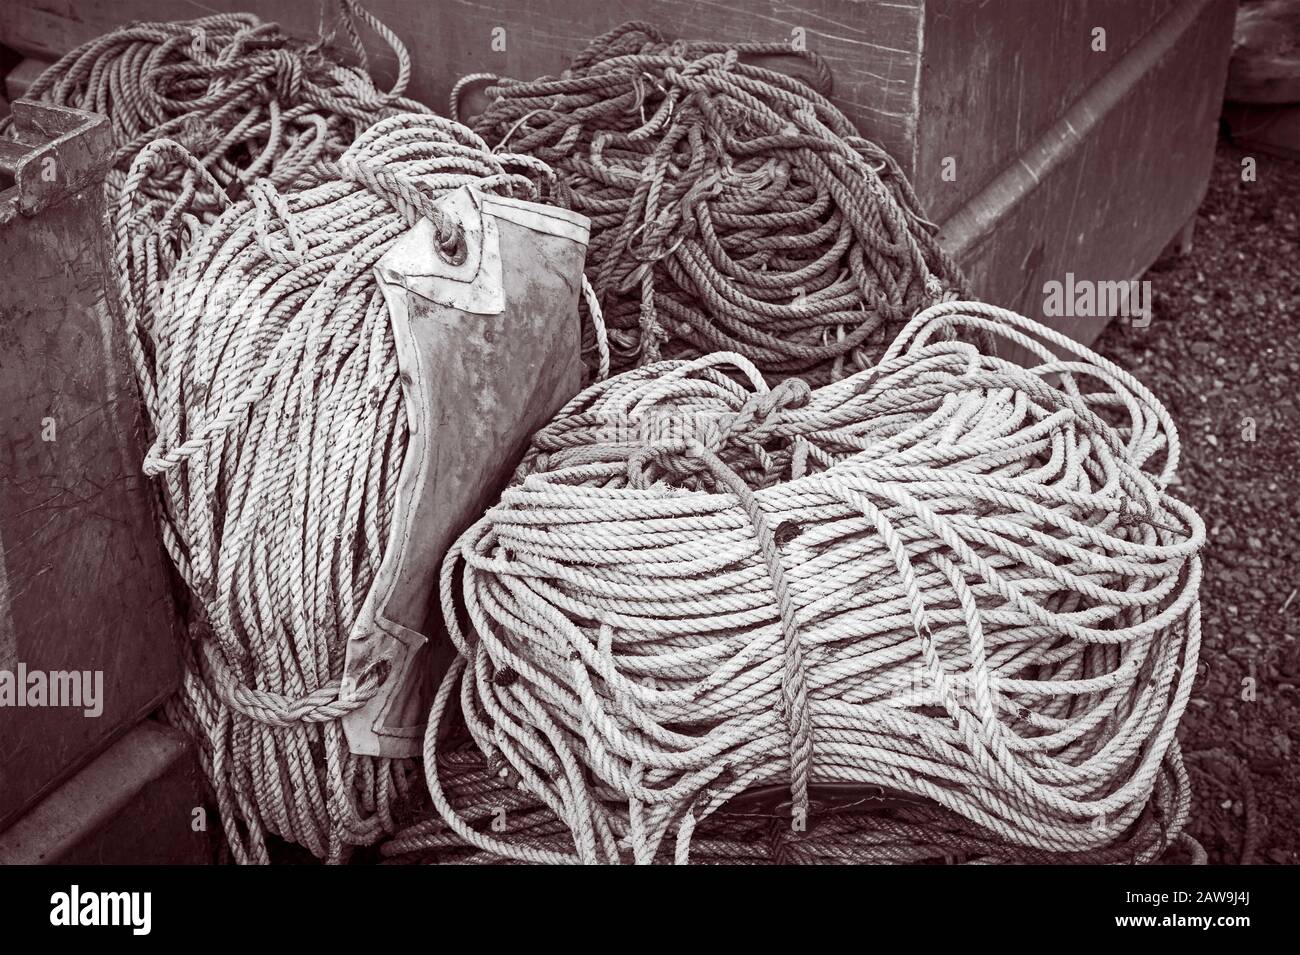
x: 287, y: 79
x: 751, y: 422
x: 677, y: 462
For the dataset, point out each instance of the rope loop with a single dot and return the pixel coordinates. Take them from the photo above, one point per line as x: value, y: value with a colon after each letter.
x: 288, y: 76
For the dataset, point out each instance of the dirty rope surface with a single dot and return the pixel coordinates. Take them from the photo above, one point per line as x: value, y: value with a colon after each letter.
x: 246, y: 99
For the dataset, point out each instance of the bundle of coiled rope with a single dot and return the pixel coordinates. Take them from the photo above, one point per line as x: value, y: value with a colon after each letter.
x: 261, y: 346
x: 732, y: 206
x: 946, y: 580
x: 631, y: 669
x: 267, y: 362
x: 244, y: 98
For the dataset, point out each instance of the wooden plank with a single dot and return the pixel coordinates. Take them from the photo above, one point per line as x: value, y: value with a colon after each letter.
x: 1102, y: 191
x: 136, y: 804
x: 998, y: 76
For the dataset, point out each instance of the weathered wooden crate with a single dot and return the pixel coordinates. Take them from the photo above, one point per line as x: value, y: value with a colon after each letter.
x: 83, y: 588
x: 1066, y: 151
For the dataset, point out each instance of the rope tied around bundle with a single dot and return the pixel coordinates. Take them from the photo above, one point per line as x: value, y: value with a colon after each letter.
x: 945, y: 578
x: 733, y: 207
x: 264, y: 349
x: 405, y: 195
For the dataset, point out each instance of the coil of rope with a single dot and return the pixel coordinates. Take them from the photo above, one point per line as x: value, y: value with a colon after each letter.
x: 244, y: 98
x: 733, y: 208
x: 945, y: 577
x: 222, y: 113
x: 267, y: 361
x: 863, y: 827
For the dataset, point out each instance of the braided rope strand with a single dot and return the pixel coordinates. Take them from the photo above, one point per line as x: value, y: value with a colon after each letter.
x: 245, y: 99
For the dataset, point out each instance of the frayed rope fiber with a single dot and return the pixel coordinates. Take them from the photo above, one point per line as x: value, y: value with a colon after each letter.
x: 733, y: 208
x: 948, y: 578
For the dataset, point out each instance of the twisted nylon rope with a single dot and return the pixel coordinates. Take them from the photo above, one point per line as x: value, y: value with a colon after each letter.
x: 864, y: 829
x: 946, y: 577
x: 244, y: 98
x: 733, y: 207
x: 267, y: 371
x: 266, y: 357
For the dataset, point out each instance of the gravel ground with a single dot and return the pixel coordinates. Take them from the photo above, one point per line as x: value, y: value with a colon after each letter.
x: 1222, y: 354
